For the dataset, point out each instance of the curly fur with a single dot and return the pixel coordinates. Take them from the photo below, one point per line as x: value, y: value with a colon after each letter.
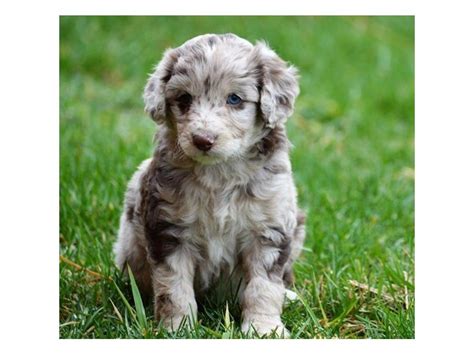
x: 192, y: 217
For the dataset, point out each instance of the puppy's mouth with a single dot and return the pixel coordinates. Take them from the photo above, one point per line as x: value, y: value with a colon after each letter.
x: 208, y: 157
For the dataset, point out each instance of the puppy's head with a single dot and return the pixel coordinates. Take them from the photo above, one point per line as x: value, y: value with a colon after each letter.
x: 220, y: 95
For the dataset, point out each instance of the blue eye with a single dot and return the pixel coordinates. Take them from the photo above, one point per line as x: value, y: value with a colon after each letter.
x: 233, y: 99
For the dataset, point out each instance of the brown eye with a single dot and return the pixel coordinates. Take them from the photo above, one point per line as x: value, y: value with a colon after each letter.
x: 185, y: 99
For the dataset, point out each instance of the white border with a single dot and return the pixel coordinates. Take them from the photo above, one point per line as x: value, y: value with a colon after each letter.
x: 241, y: 7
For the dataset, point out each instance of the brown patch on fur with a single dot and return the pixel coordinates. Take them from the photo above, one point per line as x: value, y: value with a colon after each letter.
x: 180, y: 71
x: 202, y: 251
x: 184, y: 103
x: 166, y: 77
x: 258, y: 72
x: 277, y: 71
x: 164, y: 308
x: 300, y: 217
x: 130, y: 213
x: 145, y: 187
x: 248, y: 190
x: 284, y: 250
x: 276, y: 270
x: 246, y: 267
x: 275, y: 140
x: 162, y: 239
x: 142, y: 274
x: 283, y: 100
x: 151, y: 87
x: 161, y: 235
x: 207, y: 85
x: 279, y: 231
x: 169, y: 115
x: 170, y: 63
x: 171, y: 177
x: 211, y: 41
x: 276, y: 169
x: 288, y: 277
x: 153, y: 113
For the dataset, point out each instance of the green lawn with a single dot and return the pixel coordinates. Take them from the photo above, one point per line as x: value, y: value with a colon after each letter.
x: 353, y: 161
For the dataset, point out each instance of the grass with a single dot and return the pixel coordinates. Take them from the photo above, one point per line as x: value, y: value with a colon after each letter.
x: 353, y: 161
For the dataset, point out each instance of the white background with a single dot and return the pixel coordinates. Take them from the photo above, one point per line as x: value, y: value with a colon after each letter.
x: 29, y: 177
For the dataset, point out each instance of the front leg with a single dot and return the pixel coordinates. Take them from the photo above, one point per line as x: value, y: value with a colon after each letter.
x: 262, y: 300
x: 170, y: 257
x: 174, y: 299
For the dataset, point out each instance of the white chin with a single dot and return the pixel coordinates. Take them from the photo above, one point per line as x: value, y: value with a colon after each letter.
x: 206, y: 159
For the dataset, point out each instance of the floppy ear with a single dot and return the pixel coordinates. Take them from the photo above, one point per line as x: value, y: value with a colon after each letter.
x: 154, y: 94
x: 279, y: 86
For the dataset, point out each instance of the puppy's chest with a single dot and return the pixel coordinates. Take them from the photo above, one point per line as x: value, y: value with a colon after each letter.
x: 218, y: 227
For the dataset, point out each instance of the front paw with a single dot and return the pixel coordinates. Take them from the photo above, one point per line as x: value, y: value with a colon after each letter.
x: 264, y: 325
x: 174, y: 315
x: 175, y: 322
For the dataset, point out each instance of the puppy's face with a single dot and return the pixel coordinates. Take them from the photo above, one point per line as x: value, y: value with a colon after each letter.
x: 220, y: 95
x: 213, y: 97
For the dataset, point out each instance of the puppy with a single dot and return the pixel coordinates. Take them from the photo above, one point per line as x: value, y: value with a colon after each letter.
x: 217, y: 199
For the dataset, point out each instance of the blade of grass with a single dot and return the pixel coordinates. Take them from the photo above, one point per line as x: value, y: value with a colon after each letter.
x: 227, y: 317
x: 340, y: 318
x: 137, y: 299
x: 124, y: 299
x: 81, y: 268
x: 318, y: 298
x: 228, y: 332
x: 308, y: 309
x: 301, y: 329
x: 116, y: 311
x: 212, y: 331
x: 91, y: 319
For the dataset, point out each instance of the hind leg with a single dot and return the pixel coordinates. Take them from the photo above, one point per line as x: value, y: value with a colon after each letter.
x: 296, y: 246
x: 130, y: 245
x: 129, y: 249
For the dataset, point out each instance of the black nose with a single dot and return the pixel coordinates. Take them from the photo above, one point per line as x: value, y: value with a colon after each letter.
x: 203, y: 142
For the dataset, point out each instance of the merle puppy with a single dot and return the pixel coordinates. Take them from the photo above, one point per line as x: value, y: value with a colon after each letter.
x: 217, y: 199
